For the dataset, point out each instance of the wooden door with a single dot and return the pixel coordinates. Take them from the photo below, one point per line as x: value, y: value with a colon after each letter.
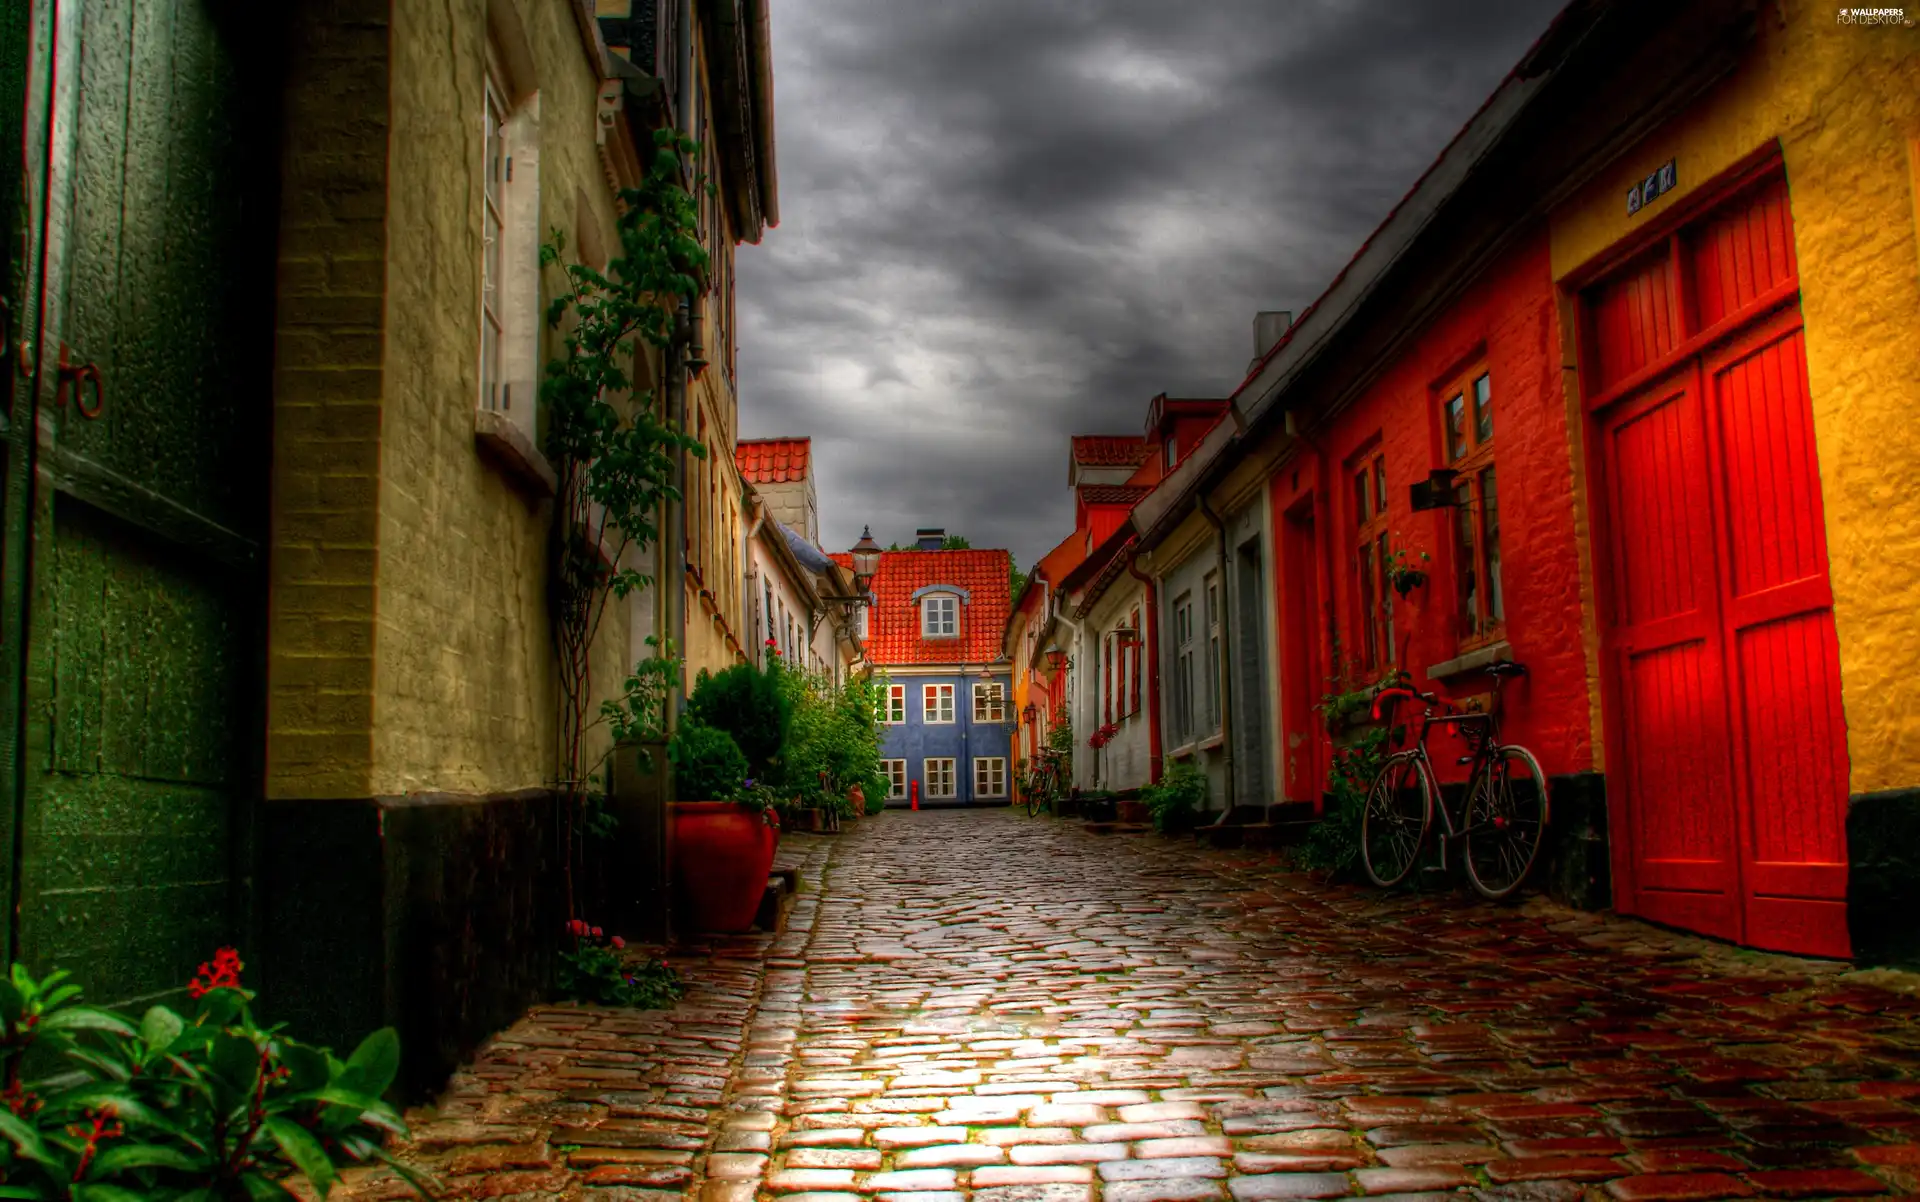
x: 1726, y: 738
x: 143, y: 717
x: 1302, y: 677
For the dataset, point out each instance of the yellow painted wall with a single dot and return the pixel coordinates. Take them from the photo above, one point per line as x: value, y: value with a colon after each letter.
x: 1843, y: 102
x: 465, y: 695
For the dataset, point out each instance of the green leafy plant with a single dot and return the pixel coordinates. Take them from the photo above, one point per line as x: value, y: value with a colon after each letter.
x: 612, y: 449
x: 754, y: 705
x: 707, y: 764
x: 597, y: 970
x: 1178, y: 798
x: 834, y: 741
x: 1333, y: 843
x: 1401, y: 574
x: 639, y: 713
x: 207, y: 1108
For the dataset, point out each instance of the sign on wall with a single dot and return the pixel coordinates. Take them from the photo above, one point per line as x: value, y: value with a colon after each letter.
x: 1656, y: 185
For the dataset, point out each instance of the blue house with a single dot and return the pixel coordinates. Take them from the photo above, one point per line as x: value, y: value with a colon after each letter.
x: 934, y: 631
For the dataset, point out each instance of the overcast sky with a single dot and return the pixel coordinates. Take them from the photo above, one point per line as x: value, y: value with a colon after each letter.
x: 1004, y: 222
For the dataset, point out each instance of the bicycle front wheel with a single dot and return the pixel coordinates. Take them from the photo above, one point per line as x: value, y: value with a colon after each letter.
x: 1506, y: 821
x: 1394, y: 824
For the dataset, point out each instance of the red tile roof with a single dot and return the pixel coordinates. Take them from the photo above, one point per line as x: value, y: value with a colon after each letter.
x: 1111, y: 450
x: 773, y: 460
x: 894, y: 623
x: 1113, y: 494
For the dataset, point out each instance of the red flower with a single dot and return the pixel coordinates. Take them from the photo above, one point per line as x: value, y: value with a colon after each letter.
x: 222, y: 973
x: 596, y: 932
x: 619, y: 942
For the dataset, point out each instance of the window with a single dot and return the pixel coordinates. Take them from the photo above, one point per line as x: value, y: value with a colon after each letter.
x: 940, y: 617
x: 861, y: 622
x: 1136, y: 648
x: 937, y: 703
x: 896, y: 704
x: 1106, y: 680
x: 510, y: 233
x: 896, y: 771
x: 766, y: 619
x: 1467, y: 427
x: 1370, y: 560
x: 493, y: 235
x: 1183, y: 668
x: 990, y: 776
x: 1173, y: 454
x: 990, y: 702
x: 1212, y: 616
x: 939, y: 774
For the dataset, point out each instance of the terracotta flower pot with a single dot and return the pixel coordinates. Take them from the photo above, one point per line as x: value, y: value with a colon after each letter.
x: 722, y: 852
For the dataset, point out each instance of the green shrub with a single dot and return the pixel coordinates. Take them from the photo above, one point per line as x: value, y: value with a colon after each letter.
x: 1180, y: 795
x: 753, y: 705
x: 1333, y: 843
x: 834, y: 743
x: 181, y: 1109
x: 707, y: 764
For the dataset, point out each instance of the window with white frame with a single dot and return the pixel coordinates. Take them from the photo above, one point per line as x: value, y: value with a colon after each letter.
x: 940, y: 616
x: 510, y: 248
x: 937, y: 703
x: 1183, y: 668
x: 989, y: 776
x: 896, y: 771
x: 939, y: 774
x: 990, y: 702
x: 896, y: 704
x: 1212, y: 711
x: 861, y: 622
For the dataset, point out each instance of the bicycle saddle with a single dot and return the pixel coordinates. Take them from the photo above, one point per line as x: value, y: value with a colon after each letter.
x: 1506, y: 667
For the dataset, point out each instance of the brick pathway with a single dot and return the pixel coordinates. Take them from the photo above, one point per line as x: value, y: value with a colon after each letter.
x: 980, y: 1005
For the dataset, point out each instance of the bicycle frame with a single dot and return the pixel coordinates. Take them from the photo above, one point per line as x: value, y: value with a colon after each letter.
x: 1482, y: 730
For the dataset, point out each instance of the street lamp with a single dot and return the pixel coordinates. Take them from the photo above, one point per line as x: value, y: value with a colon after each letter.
x: 866, y: 559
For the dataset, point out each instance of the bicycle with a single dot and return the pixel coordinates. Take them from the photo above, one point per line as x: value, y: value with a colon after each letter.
x: 1043, y: 784
x: 1506, y: 807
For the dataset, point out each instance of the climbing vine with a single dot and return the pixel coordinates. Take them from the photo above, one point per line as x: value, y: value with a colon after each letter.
x: 612, y: 449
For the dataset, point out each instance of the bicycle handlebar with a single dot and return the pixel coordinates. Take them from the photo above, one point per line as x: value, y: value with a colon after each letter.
x: 1400, y: 692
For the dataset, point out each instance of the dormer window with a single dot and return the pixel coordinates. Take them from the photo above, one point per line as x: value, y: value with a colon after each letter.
x: 940, y: 616
x: 1173, y: 454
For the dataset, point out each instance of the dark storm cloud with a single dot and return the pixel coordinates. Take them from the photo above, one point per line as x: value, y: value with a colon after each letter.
x: 1009, y: 221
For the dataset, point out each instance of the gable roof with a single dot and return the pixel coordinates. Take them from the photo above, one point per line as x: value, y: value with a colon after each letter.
x: 1113, y: 494
x: 893, y: 628
x: 774, y: 460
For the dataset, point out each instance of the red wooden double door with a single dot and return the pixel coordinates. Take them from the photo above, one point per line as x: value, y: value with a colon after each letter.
x: 1726, y: 741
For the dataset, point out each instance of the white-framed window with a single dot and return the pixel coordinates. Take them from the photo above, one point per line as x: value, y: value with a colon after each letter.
x: 861, y: 623
x: 1183, y: 668
x: 989, y: 776
x: 1173, y: 453
x: 510, y: 232
x: 896, y: 705
x: 937, y: 703
x: 990, y: 702
x: 939, y: 774
x: 1213, y: 651
x: 940, y: 616
x: 896, y: 771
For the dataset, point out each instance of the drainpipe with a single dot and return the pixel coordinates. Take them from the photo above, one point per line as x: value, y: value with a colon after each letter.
x: 673, y: 567
x: 1220, y: 663
x: 753, y: 581
x: 1151, y: 649
x: 1074, y: 626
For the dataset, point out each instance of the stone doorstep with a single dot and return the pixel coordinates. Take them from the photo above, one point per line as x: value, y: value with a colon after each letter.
x: 777, y: 902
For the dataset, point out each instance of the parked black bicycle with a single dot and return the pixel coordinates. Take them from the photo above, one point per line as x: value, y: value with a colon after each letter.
x: 1045, y: 783
x: 1505, y: 806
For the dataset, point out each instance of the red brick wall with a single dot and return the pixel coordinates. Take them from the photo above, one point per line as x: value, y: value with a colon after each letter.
x: 1509, y: 317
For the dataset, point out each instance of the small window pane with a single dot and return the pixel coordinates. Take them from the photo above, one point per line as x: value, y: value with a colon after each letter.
x: 1367, y: 607
x: 1456, y: 419
x: 1380, y: 486
x: 1361, y: 496
x: 1482, y: 409
x: 1489, y: 502
x: 1380, y: 590
x: 1467, y: 563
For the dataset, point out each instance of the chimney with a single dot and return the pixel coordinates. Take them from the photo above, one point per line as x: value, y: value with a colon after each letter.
x: 1268, y: 327
x: 929, y: 539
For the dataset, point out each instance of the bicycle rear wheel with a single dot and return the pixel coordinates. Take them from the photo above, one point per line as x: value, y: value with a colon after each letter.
x: 1394, y: 824
x: 1507, y: 808
x: 1039, y: 789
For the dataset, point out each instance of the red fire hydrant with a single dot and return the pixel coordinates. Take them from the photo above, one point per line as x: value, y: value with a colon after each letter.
x: 913, y: 793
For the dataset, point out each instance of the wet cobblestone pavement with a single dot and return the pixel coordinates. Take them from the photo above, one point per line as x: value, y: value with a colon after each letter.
x: 979, y: 1005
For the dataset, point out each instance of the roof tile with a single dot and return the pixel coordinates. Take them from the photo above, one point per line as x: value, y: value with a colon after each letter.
x: 1111, y: 450
x: 894, y: 627
x: 774, y: 460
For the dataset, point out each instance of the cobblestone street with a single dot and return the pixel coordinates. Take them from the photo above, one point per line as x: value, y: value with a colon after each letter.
x: 975, y: 1004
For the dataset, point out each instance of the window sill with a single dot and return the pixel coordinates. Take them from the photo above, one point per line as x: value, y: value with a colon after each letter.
x: 1471, y: 661
x: 1212, y: 742
x: 1184, y: 751
x: 510, y: 448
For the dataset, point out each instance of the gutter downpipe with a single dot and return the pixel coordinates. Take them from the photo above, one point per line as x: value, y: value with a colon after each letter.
x: 1322, y: 523
x: 746, y: 553
x: 1151, y: 638
x: 1061, y: 617
x: 673, y: 566
x: 1220, y: 662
